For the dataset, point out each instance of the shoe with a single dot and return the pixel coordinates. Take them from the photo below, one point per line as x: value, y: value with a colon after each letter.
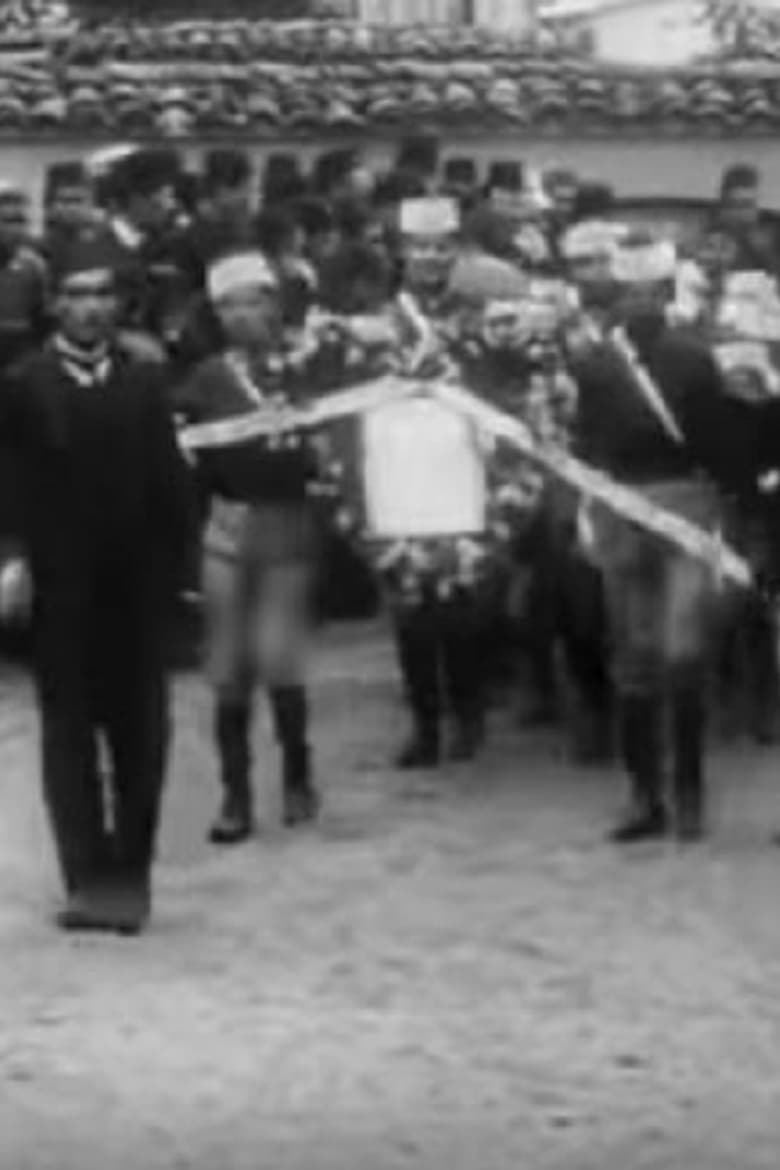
x: 689, y: 780
x: 132, y: 907
x: 301, y: 806
x: 234, y: 824
x: 129, y: 906
x: 300, y: 799
x: 641, y: 825
x: 85, y: 911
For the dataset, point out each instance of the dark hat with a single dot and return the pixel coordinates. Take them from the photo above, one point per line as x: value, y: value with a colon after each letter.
x: 188, y: 189
x: 90, y: 253
x: 145, y: 172
x: 560, y: 177
x: 595, y: 201
x: 397, y: 186
x: 460, y: 172
x: 351, y: 265
x: 352, y: 216
x: 418, y: 152
x: 739, y: 175
x: 506, y: 174
x: 332, y: 168
x: 314, y: 215
x: 282, y: 178
x: 224, y: 167
x: 490, y: 231
x: 65, y: 174
x: 274, y: 228
x: 281, y: 165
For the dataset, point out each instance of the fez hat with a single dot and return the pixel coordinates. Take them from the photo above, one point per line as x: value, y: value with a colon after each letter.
x: 595, y: 201
x: 460, y: 172
x: 397, y: 186
x: 419, y: 152
x: 332, y: 168
x: 225, y: 167
x: 274, y: 227
x: 93, y: 253
x: 314, y: 215
x: 65, y: 174
x: 505, y: 174
x: 282, y: 178
x: 145, y: 172
x: 188, y: 189
x: 352, y: 264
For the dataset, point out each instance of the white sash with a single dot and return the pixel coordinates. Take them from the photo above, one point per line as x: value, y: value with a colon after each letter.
x: 646, y: 385
x: 278, y: 414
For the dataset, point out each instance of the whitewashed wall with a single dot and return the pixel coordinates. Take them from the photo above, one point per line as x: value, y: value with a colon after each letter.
x: 656, y: 32
x: 512, y: 15
x: 404, y: 12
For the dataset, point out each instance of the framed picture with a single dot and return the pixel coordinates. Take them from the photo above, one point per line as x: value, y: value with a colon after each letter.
x: 423, y: 472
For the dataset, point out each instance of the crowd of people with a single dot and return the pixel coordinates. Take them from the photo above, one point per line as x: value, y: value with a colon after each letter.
x: 154, y: 343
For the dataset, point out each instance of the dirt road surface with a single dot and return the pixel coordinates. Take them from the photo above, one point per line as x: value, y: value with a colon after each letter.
x: 454, y: 974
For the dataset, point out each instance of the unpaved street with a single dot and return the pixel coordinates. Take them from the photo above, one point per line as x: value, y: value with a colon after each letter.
x: 458, y: 974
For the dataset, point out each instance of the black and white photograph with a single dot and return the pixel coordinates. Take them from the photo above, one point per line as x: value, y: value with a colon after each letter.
x: 389, y: 584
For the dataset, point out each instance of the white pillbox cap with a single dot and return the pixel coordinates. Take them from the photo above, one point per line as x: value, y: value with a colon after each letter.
x: 593, y: 239
x: 100, y: 162
x: 646, y: 264
x: 243, y: 270
x: 429, y: 217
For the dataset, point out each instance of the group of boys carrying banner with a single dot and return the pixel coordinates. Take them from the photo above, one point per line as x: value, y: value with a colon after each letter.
x: 426, y: 438
x: 454, y: 509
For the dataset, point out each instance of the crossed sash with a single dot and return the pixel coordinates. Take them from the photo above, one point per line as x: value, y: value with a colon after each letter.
x: 273, y: 420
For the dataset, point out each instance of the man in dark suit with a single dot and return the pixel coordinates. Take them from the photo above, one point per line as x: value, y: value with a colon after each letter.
x: 104, y: 499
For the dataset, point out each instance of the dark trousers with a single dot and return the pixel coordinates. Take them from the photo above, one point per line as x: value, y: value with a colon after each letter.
x: 565, y: 606
x: 582, y: 627
x: 100, y: 672
x: 441, y: 652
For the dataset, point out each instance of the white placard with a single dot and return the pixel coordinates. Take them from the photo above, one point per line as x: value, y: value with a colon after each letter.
x: 423, y: 472
x: 754, y: 317
x: 738, y: 356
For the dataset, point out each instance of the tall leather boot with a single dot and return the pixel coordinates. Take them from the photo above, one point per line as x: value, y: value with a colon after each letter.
x: 594, y: 700
x: 301, y: 801
x: 641, y: 735
x: 464, y: 655
x: 418, y: 655
x: 765, y: 683
x: 688, y: 739
x: 232, y: 725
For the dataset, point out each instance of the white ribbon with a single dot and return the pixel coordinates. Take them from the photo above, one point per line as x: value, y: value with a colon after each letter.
x: 592, y: 484
x: 646, y: 385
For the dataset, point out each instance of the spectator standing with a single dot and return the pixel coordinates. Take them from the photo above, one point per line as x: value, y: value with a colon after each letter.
x: 259, y: 548
x: 104, y: 514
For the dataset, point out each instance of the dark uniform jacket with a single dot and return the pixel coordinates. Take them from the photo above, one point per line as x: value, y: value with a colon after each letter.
x: 619, y: 433
x: 250, y: 472
x: 102, y: 488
